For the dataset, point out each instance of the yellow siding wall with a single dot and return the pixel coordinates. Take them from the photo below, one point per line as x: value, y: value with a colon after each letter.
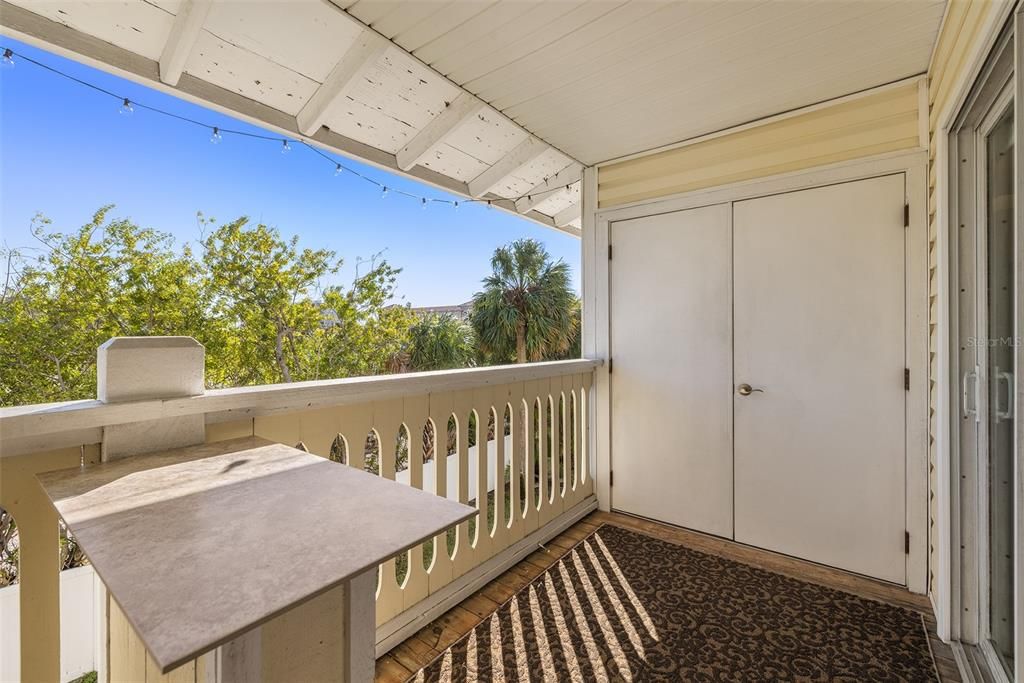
x: 962, y: 32
x: 886, y: 121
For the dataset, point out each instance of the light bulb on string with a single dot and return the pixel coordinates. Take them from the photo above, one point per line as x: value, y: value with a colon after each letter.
x: 126, y: 107
x: 489, y: 204
x: 216, y: 137
x: 8, y: 61
x: 456, y: 205
x: 384, y: 192
x: 423, y: 203
x: 338, y: 169
x: 285, y: 147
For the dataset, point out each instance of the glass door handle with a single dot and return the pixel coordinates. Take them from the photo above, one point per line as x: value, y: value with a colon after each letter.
x: 1003, y: 415
x: 967, y: 379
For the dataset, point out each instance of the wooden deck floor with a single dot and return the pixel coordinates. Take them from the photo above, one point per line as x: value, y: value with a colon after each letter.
x: 432, y: 640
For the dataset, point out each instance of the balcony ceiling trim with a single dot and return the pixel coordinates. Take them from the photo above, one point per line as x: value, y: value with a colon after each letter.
x: 359, y: 64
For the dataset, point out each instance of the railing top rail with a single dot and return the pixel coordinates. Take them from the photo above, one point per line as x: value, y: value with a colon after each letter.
x: 34, y: 421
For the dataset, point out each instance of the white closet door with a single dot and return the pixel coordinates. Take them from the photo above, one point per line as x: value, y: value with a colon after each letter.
x: 819, y: 328
x: 671, y: 388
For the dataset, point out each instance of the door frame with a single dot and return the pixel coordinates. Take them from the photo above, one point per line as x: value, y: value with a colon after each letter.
x: 962, y: 590
x: 914, y: 165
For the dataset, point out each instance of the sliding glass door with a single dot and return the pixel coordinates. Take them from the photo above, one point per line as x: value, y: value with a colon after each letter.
x: 982, y: 161
x: 997, y: 144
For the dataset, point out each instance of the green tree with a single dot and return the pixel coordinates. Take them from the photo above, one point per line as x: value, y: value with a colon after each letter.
x: 108, y: 278
x: 362, y: 332
x: 441, y: 342
x: 525, y: 309
x: 253, y: 299
x: 262, y: 286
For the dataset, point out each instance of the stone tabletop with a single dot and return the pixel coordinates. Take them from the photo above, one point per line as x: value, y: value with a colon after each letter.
x: 199, y: 545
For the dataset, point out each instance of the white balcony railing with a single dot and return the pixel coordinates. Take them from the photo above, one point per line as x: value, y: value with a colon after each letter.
x: 537, y: 476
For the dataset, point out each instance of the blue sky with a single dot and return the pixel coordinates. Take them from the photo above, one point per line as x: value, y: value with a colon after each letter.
x: 65, y: 151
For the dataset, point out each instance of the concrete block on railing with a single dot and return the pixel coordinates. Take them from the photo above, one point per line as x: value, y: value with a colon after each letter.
x: 139, y: 368
x: 147, y: 368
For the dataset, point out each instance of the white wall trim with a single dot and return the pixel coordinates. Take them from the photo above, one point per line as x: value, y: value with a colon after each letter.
x: 773, y: 118
x: 396, y: 630
x: 843, y: 171
x: 915, y: 165
x: 595, y: 335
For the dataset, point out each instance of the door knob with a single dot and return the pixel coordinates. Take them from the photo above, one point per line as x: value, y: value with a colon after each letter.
x: 747, y: 390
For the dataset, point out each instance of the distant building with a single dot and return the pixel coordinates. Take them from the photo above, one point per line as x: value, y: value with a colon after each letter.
x: 458, y: 311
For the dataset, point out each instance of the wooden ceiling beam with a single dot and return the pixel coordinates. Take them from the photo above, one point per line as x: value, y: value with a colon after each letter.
x: 366, y: 50
x: 528, y: 150
x: 464, y: 107
x: 568, y: 215
x: 543, y: 191
x: 188, y: 24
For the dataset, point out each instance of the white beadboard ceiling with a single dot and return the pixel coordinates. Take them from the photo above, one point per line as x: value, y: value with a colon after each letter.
x: 601, y: 79
x: 494, y: 98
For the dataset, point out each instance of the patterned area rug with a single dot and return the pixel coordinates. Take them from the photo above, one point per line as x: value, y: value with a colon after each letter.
x: 623, y: 606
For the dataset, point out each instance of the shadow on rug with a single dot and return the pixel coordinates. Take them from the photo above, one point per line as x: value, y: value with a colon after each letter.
x: 623, y: 606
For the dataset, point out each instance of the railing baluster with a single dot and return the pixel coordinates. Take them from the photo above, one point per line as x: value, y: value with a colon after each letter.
x: 498, y: 532
x: 585, y: 455
x: 482, y: 407
x: 463, y: 548
x: 441, y: 406
x: 387, y: 420
x: 577, y: 431
x: 513, y: 396
x: 415, y: 410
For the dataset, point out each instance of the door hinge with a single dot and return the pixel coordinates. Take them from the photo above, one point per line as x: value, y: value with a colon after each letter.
x: 611, y: 478
x: 906, y: 379
x: 609, y: 252
x: 906, y: 542
x: 906, y: 215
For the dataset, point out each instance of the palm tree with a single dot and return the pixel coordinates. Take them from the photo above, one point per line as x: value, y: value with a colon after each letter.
x: 526, y: 306
x: 441, y: 342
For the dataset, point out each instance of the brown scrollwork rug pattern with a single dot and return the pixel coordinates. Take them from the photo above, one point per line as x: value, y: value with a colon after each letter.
x: 622, y: 606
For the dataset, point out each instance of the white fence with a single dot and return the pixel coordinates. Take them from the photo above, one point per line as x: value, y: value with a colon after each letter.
x: 78, y: 642
x: 453, y: 470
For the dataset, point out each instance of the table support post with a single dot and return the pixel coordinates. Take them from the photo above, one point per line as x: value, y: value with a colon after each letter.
x: 361, y: 626
x: 331, y: 638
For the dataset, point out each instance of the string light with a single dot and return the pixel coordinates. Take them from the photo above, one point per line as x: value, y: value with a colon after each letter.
x: 217, y: 135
